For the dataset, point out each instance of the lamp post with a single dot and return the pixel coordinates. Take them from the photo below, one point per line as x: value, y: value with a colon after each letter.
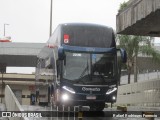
x: 5, y: 29
x: 50, y: 32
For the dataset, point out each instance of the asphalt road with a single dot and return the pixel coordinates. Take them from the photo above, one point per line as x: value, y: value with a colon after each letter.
x: 107, y: 114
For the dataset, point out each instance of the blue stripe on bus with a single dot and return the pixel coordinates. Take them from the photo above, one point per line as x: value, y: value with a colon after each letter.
x: 88, y: 49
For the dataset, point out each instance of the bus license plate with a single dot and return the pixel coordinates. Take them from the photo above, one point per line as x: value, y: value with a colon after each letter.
x: 90, y: 97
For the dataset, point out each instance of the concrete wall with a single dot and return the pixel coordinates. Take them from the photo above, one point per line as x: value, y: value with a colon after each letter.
x: 147, y: 63
x: 23, y: 85
x: 142, y: 94
x: 12, y: 103
x: 26, y: 92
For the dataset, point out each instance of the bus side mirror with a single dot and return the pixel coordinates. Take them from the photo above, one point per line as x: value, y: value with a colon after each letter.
x: 61, y: 53
x: 123, y: 55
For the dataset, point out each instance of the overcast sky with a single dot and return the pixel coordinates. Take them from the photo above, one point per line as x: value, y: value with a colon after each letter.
x: 29, y: 19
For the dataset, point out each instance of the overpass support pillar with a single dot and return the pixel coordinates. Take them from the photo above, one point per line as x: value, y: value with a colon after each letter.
x: 2, y: 71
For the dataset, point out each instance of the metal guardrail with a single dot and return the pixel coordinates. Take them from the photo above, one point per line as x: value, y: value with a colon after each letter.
x: 12, y: 104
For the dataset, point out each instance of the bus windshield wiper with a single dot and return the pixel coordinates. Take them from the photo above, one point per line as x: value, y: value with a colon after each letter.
x: 85, y: 70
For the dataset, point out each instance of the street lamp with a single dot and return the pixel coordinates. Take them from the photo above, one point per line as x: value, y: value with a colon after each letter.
x: 5, y: 29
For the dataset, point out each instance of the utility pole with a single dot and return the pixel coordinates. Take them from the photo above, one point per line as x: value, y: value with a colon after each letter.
x: 50, y: 32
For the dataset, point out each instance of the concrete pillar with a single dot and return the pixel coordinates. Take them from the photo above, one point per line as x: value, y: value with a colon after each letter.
x: 2, y: 71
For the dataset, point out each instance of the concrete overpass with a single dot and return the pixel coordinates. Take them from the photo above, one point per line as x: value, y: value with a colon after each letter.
x: 25, y: 55
x: 19, y: 54
x: 140, y: 17
x: 21, y: 79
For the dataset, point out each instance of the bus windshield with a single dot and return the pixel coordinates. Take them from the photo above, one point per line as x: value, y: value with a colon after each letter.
x: 89, y: 68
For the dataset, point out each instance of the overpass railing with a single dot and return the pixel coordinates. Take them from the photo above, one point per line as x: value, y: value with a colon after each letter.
x: 12, y: 104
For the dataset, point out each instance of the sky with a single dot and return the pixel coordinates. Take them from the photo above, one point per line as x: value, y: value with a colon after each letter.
x: 29, y: 19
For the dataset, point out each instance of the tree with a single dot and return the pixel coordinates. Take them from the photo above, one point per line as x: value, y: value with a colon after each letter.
x: 135, y: 45
x: 122, y: 6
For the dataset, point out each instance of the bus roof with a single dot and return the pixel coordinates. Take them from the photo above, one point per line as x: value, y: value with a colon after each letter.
x: 88, y: 35
x: 83, y: 35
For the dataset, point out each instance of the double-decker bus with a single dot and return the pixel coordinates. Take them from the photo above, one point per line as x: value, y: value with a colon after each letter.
x: 83, y: 60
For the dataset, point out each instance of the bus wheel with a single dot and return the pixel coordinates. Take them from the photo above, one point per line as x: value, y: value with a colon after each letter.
x: 97, y: 107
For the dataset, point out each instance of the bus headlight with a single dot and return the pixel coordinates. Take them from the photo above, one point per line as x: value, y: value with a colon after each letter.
x: 65, y: 97
x: 111, y: 91
x: 113, y: 98
x: 69, y: 89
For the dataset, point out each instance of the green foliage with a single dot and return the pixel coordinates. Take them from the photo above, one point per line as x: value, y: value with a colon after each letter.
x: 149, y: 51
x: 135, y: 45
x: 122, y: 6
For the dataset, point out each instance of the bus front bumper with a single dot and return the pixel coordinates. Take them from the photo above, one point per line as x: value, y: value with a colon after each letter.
x: 86, y: 99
